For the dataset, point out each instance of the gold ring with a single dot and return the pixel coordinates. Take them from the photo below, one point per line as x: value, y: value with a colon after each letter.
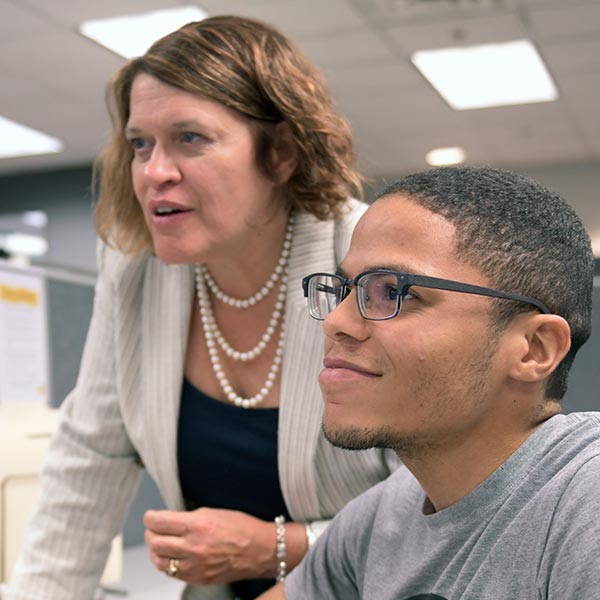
x: 173, y: 567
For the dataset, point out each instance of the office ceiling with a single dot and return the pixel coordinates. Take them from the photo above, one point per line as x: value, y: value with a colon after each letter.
x: 53, y: 79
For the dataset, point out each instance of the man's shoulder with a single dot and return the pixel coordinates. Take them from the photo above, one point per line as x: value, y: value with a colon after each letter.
x: 397, y: 490
x: 591, y: 418
x: 578, y: 430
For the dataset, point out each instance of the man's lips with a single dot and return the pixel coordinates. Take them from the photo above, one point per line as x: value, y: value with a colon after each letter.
x: 339, y: 370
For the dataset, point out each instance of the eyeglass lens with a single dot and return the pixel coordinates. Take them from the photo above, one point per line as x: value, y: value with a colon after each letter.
x: 378, y: 296
x: 325, y: 292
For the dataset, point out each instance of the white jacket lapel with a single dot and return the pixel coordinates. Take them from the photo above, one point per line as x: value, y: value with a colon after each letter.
x: 166, y: 313
x: 301, y: 405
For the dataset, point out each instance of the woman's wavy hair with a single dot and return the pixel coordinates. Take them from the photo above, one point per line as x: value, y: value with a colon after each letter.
x: 252, y: 68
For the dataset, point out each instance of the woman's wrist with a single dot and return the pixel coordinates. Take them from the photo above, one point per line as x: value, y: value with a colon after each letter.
x: 281, y: 549
x: 296, y: 546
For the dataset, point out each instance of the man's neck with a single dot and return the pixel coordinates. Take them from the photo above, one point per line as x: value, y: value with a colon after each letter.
x: 450, y: 471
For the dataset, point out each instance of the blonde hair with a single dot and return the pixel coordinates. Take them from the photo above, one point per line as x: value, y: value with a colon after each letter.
x: 252, y: 68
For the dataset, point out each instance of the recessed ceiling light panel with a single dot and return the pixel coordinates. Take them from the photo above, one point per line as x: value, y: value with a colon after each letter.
x: 452, y: 155
x: 22, y: 244
x: 487, y: 75
x: 19, y: 140
x: 132, y: 35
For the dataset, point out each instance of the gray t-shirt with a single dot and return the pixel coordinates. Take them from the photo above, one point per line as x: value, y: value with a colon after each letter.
x: 531, y: 531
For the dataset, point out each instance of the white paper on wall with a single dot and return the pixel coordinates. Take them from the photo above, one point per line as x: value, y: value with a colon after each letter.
x: 24, y: 349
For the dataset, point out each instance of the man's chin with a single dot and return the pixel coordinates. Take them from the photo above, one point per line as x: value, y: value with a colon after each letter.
x: 349, y: 438
x: 352, y: 437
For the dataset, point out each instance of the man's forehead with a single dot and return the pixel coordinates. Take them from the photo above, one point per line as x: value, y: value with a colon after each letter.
x: 398, y: 220
x: 398, y: 233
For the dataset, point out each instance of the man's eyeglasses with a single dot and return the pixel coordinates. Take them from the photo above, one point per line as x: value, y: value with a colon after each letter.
x: 380, y: 292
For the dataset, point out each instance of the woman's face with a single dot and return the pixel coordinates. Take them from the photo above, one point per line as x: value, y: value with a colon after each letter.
x: 195, y: 175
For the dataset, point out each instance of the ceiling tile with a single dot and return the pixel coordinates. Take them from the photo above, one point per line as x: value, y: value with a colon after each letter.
x: 17, y: 21
x: 570, y: 19
x: 457, y: 32
x: 352, y: 49
x: 69, y: 13
x: 305, y: 19
x: 573, y: 56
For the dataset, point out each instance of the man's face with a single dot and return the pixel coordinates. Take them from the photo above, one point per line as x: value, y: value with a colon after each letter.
x: 426, y: 378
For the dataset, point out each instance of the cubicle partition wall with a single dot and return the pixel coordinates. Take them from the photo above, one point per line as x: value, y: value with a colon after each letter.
x: 583, y: 392
x: 58, y: 305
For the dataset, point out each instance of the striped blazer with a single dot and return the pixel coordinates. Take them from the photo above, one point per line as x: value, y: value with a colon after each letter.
x: 123, y: 414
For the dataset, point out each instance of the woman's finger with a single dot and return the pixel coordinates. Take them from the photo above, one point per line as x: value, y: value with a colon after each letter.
x: 166, y: 522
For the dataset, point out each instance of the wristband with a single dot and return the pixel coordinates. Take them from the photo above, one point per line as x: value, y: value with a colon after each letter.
x: 281, y: 550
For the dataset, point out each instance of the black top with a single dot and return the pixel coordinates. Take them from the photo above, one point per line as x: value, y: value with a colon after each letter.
x: 227, y: 458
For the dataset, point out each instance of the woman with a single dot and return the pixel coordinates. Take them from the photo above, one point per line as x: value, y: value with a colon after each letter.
x: 227, y: 178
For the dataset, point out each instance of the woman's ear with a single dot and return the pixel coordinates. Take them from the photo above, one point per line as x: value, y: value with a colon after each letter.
x: 284, y: 152
x: 544, y: 342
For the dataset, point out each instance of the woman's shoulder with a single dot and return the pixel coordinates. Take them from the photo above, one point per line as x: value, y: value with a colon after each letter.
x: 350, y: 213
x: 114, y: 264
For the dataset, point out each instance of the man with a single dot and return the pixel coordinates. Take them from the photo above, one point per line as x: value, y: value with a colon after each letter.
x: 450, y: 329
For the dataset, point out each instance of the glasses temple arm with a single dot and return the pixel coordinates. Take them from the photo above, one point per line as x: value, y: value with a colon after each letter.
x: 467, y: 288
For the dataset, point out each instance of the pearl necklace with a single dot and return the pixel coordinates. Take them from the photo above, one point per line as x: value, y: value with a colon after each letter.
x: 212, y: 332
x: 280, y: 271
x: 215, y: 332
x: 208, y: 323
x: 264, y: 291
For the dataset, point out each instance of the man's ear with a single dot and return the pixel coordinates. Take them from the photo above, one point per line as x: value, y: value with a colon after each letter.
x: 543, y: 342
x: 284, y: 152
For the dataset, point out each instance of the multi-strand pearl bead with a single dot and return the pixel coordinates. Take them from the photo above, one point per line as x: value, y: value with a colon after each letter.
x: 264, y: 291
x: 214, y: 336
x: 211, y: 322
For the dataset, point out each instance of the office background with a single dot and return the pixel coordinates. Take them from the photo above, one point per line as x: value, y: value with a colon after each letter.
x: 54, y: 80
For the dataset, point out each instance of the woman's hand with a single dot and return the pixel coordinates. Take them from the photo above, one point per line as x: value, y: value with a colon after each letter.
x: 219, y: 546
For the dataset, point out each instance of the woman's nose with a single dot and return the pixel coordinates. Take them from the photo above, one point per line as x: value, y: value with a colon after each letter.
x: 161, y: 168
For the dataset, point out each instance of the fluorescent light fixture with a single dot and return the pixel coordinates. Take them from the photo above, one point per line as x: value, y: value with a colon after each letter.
x: 35, y: 218
x: 132, y: 35
x: 439, y: 157
x: 487, y: 75
x: 20, y: 140
x: 22, y: 244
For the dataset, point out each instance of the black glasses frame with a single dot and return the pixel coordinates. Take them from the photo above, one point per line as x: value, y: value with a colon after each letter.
x: 406, y: 280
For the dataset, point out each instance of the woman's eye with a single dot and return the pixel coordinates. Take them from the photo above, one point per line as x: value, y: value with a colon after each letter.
x: 189, y: 137
x: 138, y: 144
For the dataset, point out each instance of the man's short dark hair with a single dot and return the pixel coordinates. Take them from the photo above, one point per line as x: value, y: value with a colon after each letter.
x: 523, y: 237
